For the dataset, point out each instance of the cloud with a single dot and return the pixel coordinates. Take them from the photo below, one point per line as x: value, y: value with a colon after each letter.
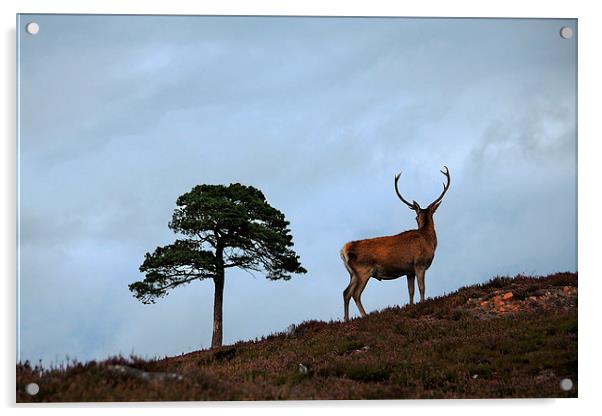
x: 541, y: 131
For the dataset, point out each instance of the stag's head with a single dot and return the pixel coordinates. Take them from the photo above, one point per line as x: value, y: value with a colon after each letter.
x: 424, y: 215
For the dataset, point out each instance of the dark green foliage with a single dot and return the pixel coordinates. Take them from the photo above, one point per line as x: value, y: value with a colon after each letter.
x: 499, y: 282
x: 458, y: 314
x: 292, y: 377
x: 411, y: 354
x: 347, y: 345
x: 171, y: 266
x: 366, y: 373
x: 253, y: 234
x: 224, y: 354
x: 570, y: 326
x: 224, y: 226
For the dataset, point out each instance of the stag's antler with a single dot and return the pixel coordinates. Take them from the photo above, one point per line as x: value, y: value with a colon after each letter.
x: 445, y: 187
x: 414, y: 205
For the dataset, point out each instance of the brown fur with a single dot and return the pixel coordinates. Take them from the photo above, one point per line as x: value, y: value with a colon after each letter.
x: 409, y: 253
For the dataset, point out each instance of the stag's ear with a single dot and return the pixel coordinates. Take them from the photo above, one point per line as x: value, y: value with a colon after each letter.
x: 415, y: 206
x: 435, y: 206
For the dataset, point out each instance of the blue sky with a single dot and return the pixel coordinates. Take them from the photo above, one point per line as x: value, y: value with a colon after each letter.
x: 120, y: 115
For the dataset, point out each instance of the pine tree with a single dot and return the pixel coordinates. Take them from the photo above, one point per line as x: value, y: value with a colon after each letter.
x: 221, y: 227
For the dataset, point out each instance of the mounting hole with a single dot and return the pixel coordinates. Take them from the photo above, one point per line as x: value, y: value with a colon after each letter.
x: 566, y: 384
x: 32, y: 389
x: 566, y: 32
x: 32, y: 28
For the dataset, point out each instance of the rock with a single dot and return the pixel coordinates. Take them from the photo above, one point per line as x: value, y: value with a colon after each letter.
x: 303, y: 369
x: 363, y: 349
x: 569, y: 290
x: 475, y: 376
x: 484, y: 304
x: 290, y: 330
x: 507, y: 296
x: 144, y: 375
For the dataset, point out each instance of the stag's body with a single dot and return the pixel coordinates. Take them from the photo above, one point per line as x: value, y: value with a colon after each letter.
x: 409, y: 253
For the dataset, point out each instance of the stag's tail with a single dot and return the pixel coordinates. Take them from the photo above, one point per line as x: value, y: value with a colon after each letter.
x: 347, y: 255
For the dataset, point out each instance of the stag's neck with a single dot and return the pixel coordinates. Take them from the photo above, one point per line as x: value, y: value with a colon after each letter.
x: 428, y: 230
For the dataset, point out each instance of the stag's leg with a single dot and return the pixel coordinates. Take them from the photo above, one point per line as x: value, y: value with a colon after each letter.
x: 347, y: 295
x: 348, y: 292
x: 420, y: 274
x: 362, y: 276
x: 411, y: 287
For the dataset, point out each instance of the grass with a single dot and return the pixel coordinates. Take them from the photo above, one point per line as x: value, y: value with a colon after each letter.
x: 445, y: 347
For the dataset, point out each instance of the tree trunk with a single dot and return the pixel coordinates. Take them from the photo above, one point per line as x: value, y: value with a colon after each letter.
x: 218, y: 300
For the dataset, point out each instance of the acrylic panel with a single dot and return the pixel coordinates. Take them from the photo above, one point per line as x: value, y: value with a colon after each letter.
x: 222, y: 208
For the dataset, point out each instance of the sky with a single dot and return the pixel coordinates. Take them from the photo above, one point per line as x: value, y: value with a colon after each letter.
x: 119, y: 115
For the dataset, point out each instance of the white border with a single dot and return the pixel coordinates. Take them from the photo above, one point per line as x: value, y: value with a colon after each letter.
x: 589, y: 206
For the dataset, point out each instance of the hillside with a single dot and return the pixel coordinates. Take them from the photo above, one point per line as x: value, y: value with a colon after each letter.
x: 510, y: 337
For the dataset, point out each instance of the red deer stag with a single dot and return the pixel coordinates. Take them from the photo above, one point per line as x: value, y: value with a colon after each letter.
x: 409, y: 253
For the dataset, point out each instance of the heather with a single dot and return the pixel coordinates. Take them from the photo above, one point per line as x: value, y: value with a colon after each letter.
x: 509, y: 337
